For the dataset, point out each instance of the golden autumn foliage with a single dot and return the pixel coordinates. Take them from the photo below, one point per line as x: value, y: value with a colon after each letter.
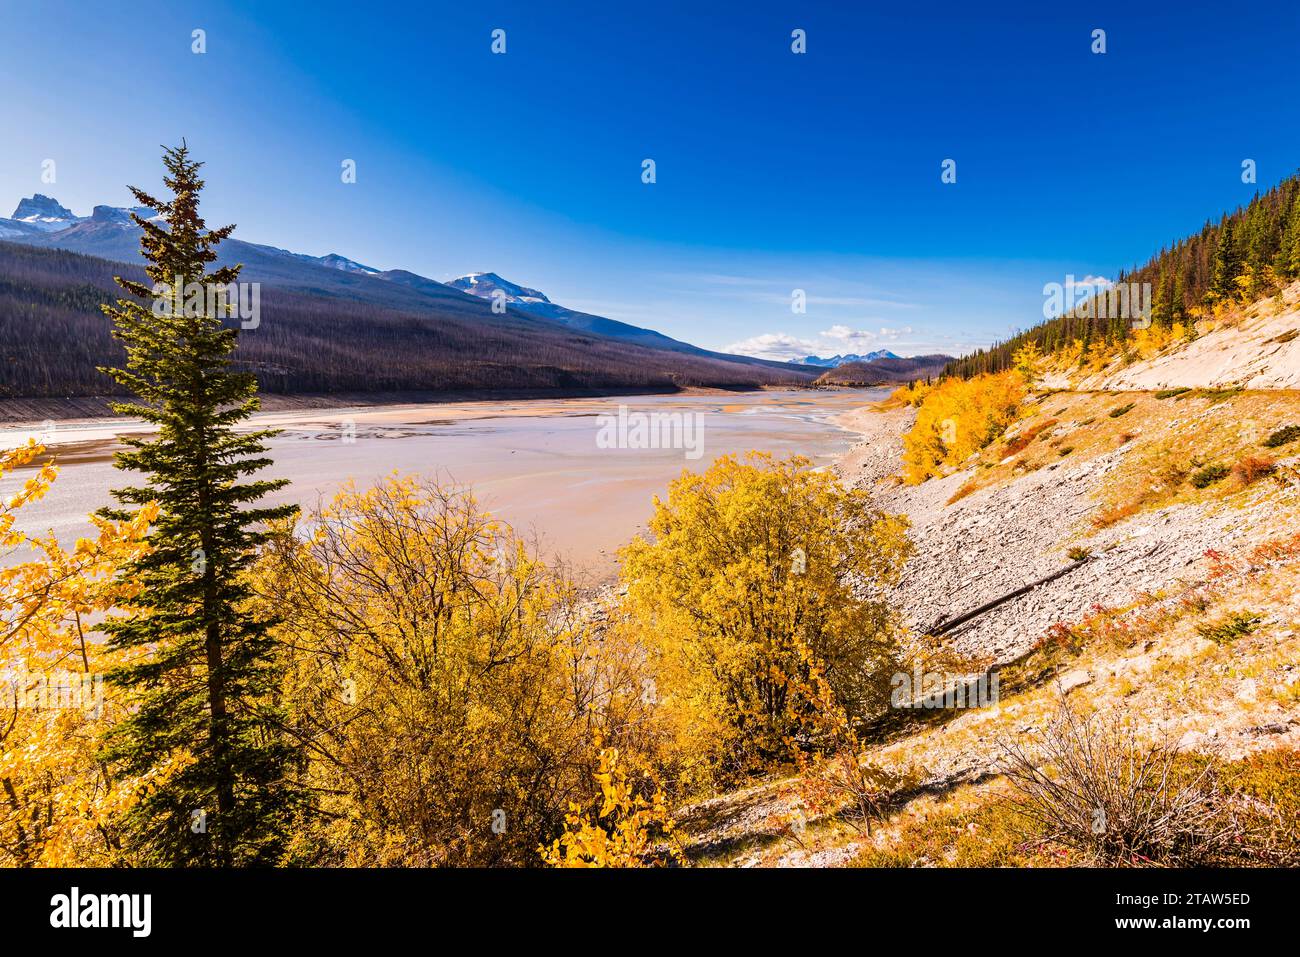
x: 626, y: 830
x: 958, y: 417
x: 59, y: 805
x: 442, y: 686
x: 451, y: 699
x: 912, y: 394
x: 757, y: 598
x: 1028, y: 360
x: 1151, y: 340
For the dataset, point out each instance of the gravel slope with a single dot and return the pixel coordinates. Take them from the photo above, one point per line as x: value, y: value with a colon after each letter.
x: 1000, y: 538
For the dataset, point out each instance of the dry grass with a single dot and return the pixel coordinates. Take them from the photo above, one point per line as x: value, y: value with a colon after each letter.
x: 1163, y: 444
x: 967, y: 487
x: 983, y: 827
x: 1092, y: 786
x: 1114, y: 514
x: 1206, y: 425
x: 1022, y: 441
x: 1251, y: 468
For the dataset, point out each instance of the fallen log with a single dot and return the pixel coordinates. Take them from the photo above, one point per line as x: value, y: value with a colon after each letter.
x: 947, y: 624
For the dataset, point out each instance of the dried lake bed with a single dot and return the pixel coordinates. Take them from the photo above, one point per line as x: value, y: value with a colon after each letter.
x: 577, y: 474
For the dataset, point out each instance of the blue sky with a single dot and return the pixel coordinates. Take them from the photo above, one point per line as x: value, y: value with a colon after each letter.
x: 775, y: 171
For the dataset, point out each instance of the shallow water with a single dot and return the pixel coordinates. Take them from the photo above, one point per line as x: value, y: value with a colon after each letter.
x: 536, y: 464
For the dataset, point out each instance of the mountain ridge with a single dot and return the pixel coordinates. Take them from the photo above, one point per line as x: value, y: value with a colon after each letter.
x: 110, y: 233
x: 345, y: 339
x: 885, y: 371
x: 838, y: 360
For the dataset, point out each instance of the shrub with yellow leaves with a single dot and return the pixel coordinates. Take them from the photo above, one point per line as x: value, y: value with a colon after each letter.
x: 912, y: 394
x: 758, y: 598
x: 1028, y: 361
x: 59, y: 805
x: 956, y: 419
x: 628, y: 830
x: 444, y: 687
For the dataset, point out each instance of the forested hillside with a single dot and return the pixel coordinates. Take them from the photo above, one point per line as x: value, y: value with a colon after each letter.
x: 885, y: 371
x: 1247, y: 254
x: 53, y: 338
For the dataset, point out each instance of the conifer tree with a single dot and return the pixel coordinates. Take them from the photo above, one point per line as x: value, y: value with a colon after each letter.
x: 1227, y: 262
x: 1288, y: 255
x: 202, y: 668
x: 1178, y: 304
x: 1259, y: 243
x: 1162, y: 308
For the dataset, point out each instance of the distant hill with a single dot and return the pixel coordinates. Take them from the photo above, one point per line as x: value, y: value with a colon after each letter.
x: 110, y: 233
x: 885, y: 371
x: 330, y: 324
x: 490, y: 286
x: 320, y: 334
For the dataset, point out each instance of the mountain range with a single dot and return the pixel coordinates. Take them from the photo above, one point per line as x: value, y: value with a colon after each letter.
x: 834, y: 361
x: 302, y: 293
x: 110, y: 233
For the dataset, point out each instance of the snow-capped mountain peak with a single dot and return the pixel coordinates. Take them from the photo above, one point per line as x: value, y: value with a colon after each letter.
x: 121, y: 215
x: 483, y: 284
x: 44, y: 212
x: 837, y: 360
x: 335, y: 261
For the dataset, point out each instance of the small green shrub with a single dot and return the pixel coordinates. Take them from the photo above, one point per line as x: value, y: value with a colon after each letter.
x: 1230, y: 627
x: 1207, y: 476
x: 1172, y: 393
x: 1065, y: 451
x: 1219, y: 395
x: 1283, y: 436
x: 1122, y: 410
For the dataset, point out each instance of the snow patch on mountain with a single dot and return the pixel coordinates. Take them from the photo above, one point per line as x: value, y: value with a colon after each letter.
x: 335, y: 261
x: 44, y: 212
x: 837, y: 360
x: 484, y: 284
x: 489, y: 285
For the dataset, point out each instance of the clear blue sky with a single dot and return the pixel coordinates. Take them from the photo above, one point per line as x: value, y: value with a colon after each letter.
x: 775, y: 171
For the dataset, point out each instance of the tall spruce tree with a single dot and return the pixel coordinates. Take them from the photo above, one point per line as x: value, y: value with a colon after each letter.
x: 203, y: 670
x: 1288, y: 254
x: 1227, y: 261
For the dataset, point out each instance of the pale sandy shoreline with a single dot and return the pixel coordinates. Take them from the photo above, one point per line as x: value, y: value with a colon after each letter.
x: 85, y: 412
x: 98, y: 429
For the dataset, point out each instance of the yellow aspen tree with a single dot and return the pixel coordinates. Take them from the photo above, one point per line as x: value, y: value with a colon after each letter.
x: 59, y: 806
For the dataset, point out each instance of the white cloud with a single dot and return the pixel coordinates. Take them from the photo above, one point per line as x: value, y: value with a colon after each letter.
x: 1095, y: 282
x: 837, y: 340
x: 847, y: 334
x: 847, y: 339
x: 774, y: 345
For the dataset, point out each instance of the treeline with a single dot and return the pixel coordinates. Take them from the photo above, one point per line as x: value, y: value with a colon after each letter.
x: 1247, y: 254
x: 54, y: 339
